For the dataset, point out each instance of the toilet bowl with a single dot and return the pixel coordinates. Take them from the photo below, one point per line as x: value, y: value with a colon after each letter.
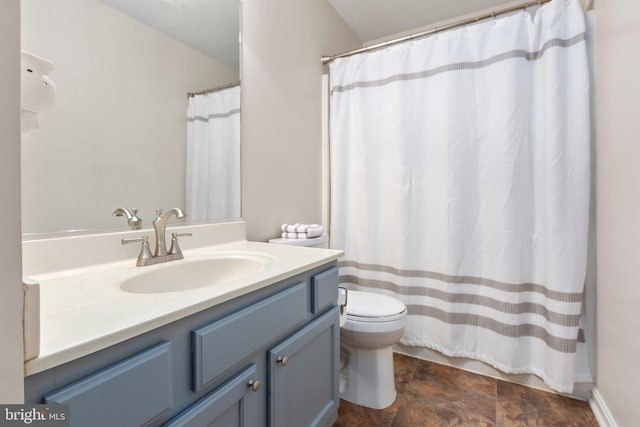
x: 373, y: 324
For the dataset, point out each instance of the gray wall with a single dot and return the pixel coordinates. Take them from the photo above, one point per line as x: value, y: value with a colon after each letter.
x: 618, y: 206
x: 282, y: 42
x: 11, y: 298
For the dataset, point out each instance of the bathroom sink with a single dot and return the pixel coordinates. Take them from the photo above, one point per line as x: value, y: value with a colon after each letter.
x: 193, y: 274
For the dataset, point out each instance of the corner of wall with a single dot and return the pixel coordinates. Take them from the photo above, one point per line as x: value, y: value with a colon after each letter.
x: 601, y: 410
x: 11, y: 294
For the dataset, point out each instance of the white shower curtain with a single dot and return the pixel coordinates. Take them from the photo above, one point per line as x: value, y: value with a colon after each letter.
x: 460, y: 184
x: 213, y: 155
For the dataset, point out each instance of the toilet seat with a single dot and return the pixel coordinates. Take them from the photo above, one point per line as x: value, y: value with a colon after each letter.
x: 380, y: 319
x: 373, y: 320
x: 371, y: 307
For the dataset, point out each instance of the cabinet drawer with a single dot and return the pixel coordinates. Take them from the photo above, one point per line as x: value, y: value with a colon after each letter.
x: 222, y: 344
x: 231, y: 404
x: 129, y: 393
x: 324, y: 290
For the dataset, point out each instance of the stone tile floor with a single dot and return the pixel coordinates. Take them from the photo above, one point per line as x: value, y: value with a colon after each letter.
x: 430, y: 394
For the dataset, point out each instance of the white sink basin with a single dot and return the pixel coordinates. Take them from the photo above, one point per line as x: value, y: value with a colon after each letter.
x: 177, y: 276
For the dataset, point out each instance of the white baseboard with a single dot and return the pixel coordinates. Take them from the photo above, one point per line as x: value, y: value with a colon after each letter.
x: 601, y: 410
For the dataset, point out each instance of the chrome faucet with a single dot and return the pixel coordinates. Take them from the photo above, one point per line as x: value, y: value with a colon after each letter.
x: 161, y: 255
x: 134, y: 221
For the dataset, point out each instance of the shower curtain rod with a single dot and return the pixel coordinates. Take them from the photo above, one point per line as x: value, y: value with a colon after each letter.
x: 327, y: 59
x: 213, y: 89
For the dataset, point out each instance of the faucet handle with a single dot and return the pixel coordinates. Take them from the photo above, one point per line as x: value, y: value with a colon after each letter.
x: 145, y: 256
x: 135, y: 222
x: 159, y: 212
x: 143, y: 239
x: 174, y: 235
x: 175, y: 248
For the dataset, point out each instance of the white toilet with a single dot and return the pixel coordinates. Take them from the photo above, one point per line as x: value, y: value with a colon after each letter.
x: 373, y: 324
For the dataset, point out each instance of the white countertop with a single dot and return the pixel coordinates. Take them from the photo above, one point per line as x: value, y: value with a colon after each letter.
x: 77, y: 317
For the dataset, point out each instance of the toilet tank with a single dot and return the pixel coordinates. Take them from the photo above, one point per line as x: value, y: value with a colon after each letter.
x: 316, y: 242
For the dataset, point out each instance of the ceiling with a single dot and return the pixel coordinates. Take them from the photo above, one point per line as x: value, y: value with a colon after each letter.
x: 375, y: 19
x: 209, y: 26
x: 212, y: 26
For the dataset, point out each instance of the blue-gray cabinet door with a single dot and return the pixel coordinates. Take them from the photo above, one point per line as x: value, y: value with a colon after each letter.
x: 303, y: 375
x: 233, y: 404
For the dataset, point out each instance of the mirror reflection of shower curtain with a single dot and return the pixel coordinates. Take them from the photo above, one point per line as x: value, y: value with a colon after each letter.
x: 460, y: 184
x: 213, y: 155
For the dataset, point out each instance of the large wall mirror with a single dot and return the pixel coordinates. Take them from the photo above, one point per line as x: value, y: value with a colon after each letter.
x: 123, y: 130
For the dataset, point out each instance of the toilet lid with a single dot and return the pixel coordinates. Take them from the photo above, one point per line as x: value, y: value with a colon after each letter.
x: 369, y: 304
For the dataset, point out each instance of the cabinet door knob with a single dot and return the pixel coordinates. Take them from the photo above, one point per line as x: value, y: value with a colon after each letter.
x: 254, y: 385
x: 282, y: 360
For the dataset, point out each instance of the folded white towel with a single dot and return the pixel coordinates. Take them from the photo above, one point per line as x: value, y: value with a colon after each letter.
x: 292, y: 228
x: 303, y: 228
x: 315, y: 231
x: 301, y: 231
x: 297, y: 227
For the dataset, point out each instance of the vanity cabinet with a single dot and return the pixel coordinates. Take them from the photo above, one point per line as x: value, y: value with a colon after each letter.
x: 267, y: 359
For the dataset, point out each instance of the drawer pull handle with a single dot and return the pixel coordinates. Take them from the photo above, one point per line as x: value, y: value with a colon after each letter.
x: 254, y: 385
x: 282, y: 360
